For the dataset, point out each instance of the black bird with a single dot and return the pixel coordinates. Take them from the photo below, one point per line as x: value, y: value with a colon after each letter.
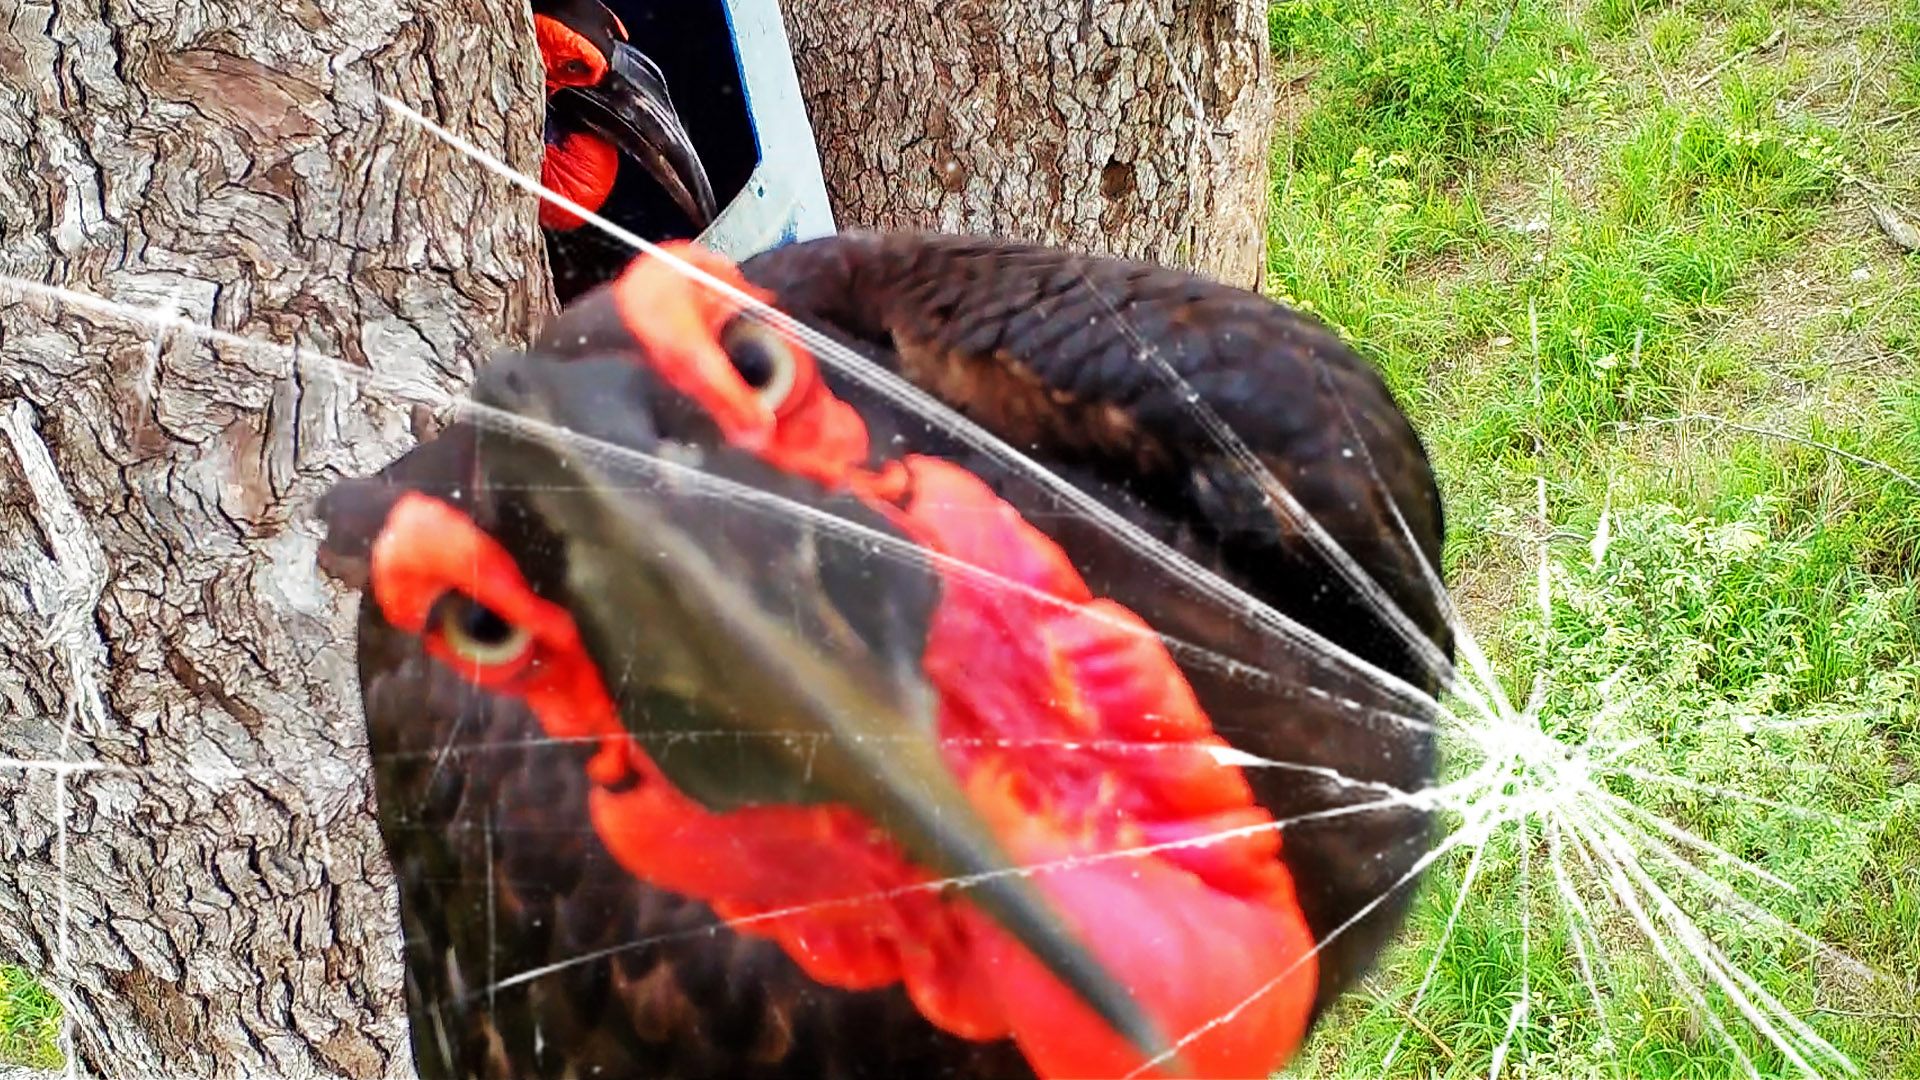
x: 606, y: 100
x: 544, y: 642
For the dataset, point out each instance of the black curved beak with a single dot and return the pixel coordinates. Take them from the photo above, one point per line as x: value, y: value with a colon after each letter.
x: 631, y: 109
x: 739, y: 613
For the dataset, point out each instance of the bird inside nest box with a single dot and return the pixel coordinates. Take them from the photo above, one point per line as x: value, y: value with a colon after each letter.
x: 673, y: 120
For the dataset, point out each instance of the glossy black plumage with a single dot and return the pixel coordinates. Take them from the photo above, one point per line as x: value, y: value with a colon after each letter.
x: 486, y: 823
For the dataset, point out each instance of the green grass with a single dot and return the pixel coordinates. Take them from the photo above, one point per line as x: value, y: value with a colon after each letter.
x: 1621, y: 247
x: 1438, y: 80
x: 29, y: 1021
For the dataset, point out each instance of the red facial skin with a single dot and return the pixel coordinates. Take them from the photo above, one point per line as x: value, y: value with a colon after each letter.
x: 581, y: 166
x: 1070, y: 726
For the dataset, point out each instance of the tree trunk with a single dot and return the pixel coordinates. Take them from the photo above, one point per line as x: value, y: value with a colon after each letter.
x: 187, y: 849
x: 1128, y: 127
x: 189, y: 856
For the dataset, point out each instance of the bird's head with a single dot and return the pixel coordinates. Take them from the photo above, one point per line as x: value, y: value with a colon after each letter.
x: 606, y: 100
x: 662, y: 530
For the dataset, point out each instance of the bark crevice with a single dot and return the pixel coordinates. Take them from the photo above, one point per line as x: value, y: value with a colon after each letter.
x: 162, y: 626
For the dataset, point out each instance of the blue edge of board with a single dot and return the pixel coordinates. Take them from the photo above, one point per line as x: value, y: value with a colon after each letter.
x: 785, y: 200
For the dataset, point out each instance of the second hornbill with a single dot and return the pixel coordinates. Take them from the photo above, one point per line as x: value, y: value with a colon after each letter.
x: 670, y: 776
x: 606, y: 100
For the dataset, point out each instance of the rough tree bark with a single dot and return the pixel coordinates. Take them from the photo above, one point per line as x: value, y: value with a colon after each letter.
x: 227, y: 910
x: 1129, y: 127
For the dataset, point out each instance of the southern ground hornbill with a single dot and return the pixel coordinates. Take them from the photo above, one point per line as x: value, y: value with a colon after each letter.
x: 657, y: 765
x: 607, y: 100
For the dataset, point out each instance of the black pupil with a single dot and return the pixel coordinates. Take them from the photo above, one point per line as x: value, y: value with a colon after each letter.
x: 754, y: 359
x: 576, y: 66
x: 482, y: 625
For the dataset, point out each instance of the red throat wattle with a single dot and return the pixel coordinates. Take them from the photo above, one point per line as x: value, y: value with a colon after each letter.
x: 1068, y: 723
x: 581, y: 167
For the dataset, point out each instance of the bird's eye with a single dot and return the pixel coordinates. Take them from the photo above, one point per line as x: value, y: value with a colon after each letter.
x: 762, y: 357
x: 478, y: 634
x: 575, y: 66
